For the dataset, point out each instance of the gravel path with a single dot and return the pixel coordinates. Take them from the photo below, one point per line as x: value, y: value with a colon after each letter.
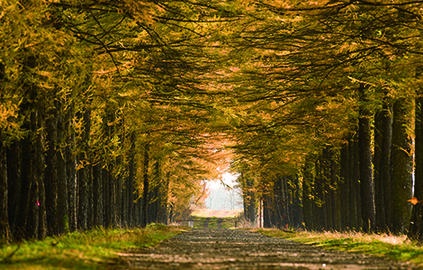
x: 236, y: 249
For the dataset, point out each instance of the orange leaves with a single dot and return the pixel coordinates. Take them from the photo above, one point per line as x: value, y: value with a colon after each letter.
x: 414, y: 201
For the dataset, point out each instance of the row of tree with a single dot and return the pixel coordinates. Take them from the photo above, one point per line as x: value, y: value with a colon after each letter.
x: 113, y: 113
x: 104, y: 117
x: 331, y: 92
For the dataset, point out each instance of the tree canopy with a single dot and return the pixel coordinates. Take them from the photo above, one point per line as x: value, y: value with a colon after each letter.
x: 113, y: 113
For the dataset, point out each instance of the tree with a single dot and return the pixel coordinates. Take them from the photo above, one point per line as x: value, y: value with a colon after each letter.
x: 365, y: 163
x: 401, y: 167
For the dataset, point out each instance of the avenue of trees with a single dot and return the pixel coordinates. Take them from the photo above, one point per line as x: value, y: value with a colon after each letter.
x: 112, y: 113
x: 331, y: 92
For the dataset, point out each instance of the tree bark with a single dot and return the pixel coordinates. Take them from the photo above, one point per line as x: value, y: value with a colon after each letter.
x: 98, y: 195
x: 132, y: 194
x: 62, y: 185
x: 318, y: 210
x: 39, y: 166
x: 51, y: 174
x: 4, y: 217
x: 416, y: 224
x: 13, y: 179
x: 25, y: 186
x: 377, y: 156
x: 366, y: 171
x: 298, y: 213
x: 345, y: 188
x: 382, y: 163
x: 112, y: 197
x: 83, y: 174
x: 71, y: 173
x: 334, y: 180
x: 308, y: 195
x: 146, y: 190
x: 402, y: 167
x: 355, y: 198
x: 106, y: 197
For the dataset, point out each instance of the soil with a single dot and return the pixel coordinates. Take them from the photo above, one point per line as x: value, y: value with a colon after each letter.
x: 239, y: 249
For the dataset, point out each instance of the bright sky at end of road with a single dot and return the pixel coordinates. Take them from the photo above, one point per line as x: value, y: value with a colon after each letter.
x: 222, y: 198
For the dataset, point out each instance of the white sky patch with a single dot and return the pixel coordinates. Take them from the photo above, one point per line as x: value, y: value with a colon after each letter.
x: 221, y: 197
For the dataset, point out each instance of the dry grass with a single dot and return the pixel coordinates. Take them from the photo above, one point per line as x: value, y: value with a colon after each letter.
x: 355, y: 236
x: 395, y: 247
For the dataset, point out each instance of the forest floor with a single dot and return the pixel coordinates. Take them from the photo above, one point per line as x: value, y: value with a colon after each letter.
x: 210, y: 248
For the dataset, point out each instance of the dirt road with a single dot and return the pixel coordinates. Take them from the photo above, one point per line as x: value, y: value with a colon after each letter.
x: 237, y: 249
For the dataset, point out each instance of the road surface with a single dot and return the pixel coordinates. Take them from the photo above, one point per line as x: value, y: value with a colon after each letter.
x: 238, y: 249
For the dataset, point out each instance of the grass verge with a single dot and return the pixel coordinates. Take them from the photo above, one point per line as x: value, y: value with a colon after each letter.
x: 227, y: 222
x: 88, y: 250
x: 394, y: 247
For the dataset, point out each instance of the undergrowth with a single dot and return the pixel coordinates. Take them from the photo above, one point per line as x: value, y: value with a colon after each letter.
x: 87, y: 250
x: 394, y: 247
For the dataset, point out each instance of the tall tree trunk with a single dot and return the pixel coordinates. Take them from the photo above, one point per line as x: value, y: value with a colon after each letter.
x: 25, y: 186
x: 13, y: 179
x: 402, y: 166
x: 83, y: 174
x: 90, y: 209
x: 416, y: 224
x: 279, y: 202
x: 355, y: 195
x: 121, y: 220
x: 112, y: 197
x: 334, y: 180
x: 345, y: 188
x: 298, y: 213
x: 98, y: 195
x: 124, y: 203
x: 4, y: 217
x: 377, y: 156
x: 157, y: 192
x: 327, y: 189
x: 307, y: 184
x: 132, y: 193
x: 252, y: 202
x: 267, y: 215
x: 382, y: 163
x: 51, y: 174
x: 119, y: 191
x: 62, y: 184
x: 165, y: 199
x: 36, y: 219
x: 146, y: 190
x: 385, y: 165
x: 106, y: 197
x: 71, y: 173
x: 39, y: 165
x: 318, y: 210
x: 366, y: 171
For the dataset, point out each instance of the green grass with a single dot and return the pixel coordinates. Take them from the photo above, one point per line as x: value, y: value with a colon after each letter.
x: 394, y: 247
x: 198, y: 222
x: 213, y: 223
x: 88, y: 250
x: 228, y: 222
